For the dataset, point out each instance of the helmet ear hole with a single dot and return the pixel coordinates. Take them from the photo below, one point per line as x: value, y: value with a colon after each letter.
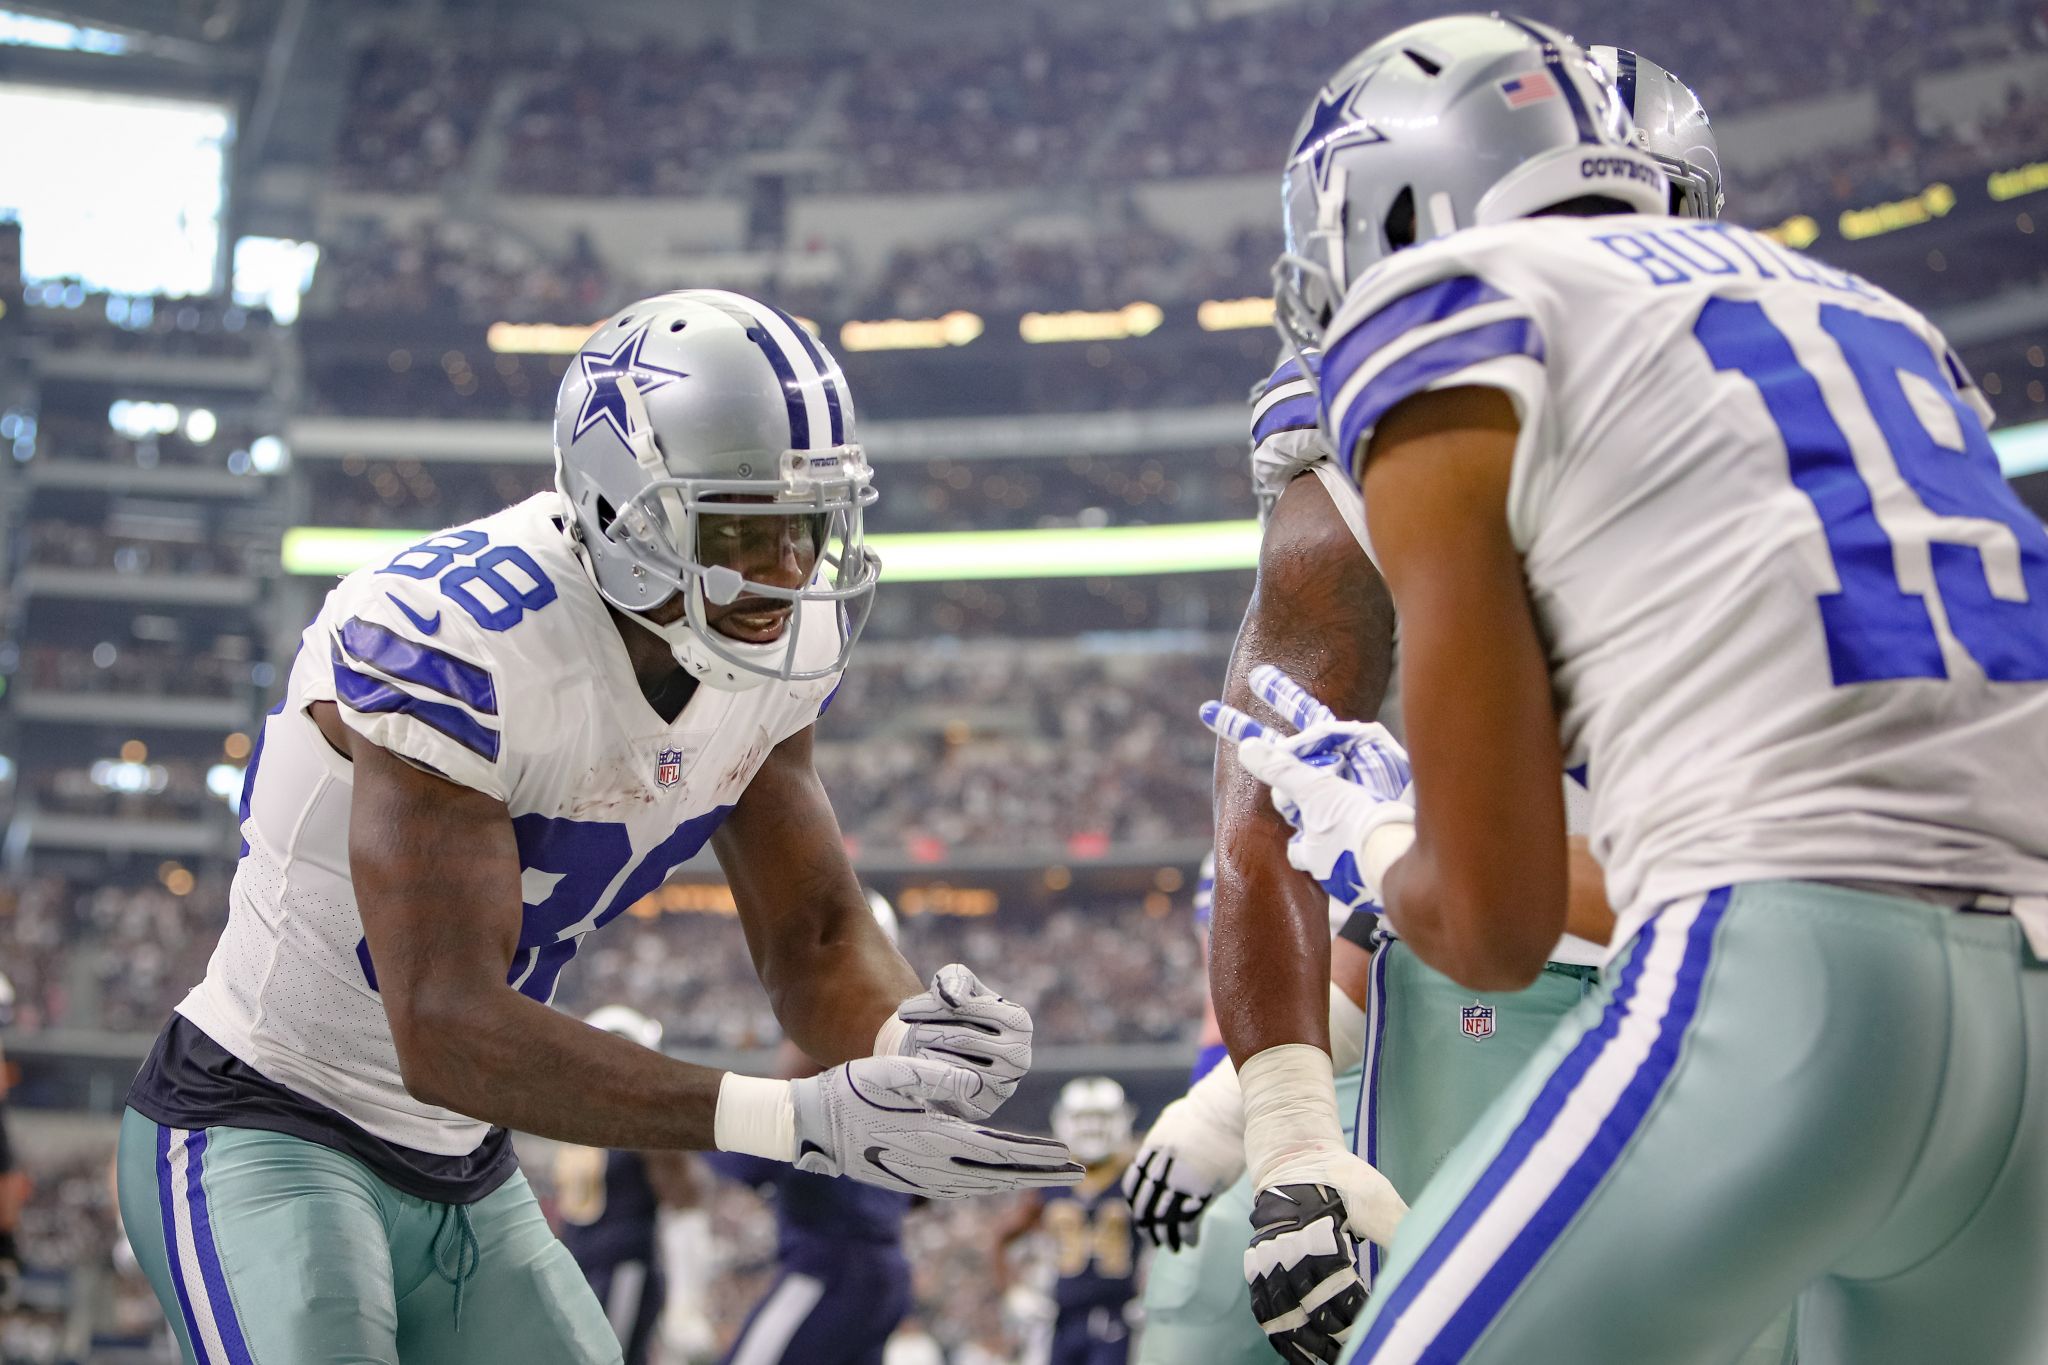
x: 606, y: 514
x: 1400, y: 221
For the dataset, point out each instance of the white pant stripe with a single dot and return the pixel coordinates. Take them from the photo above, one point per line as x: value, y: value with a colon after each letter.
x: 1555, y: 1153
x: 768, y: 1336
x: 211, y: 1349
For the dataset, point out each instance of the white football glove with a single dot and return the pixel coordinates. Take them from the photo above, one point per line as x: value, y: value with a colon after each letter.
x: 1194, y: 1151
x: 960, y: 1021
x: 873, y: 1120
x: 1336, y: 782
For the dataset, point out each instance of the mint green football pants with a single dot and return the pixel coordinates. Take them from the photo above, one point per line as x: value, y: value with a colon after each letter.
x: 268, y: 1250
x: 1198, y: 1308
x: 1778, y: 1091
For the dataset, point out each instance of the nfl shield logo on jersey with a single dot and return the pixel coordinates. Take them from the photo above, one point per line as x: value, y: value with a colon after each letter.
x: 1478, y: 1020
x: 668, y: 768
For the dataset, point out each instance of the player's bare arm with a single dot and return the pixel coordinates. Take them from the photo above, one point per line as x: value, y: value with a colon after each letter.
x: 436, y: 874
x: 831, y: 973
x: 1322, y: 614
x: 1482, y: 894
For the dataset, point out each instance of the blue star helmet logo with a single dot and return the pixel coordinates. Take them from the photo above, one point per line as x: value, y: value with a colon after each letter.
x: 1333, y: 126
x: 602, y: 401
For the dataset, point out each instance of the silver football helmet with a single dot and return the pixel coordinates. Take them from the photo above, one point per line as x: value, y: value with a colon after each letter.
x: 1446, y: 124
x: 1671, y: 125
x: 628, y: 1023
x: 1092, y: 1117
x: 692, y: 430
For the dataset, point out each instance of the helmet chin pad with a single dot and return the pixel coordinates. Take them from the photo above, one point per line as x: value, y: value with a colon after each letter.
x: 694, y: 657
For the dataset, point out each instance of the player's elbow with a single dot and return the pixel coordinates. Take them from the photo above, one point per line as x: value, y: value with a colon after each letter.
x: 427, y: 1032
x: 1492, y: 941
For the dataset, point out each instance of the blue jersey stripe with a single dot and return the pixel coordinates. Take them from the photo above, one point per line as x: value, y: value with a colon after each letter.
x: 1419, y: 308
x: 410, y: 661
x: 1294, y: 414
x: 361, y: 692
x: 1424, y: 366
x: 1290, y: 370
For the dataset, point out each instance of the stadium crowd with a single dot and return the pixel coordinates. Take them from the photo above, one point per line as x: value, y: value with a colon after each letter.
x: 50, y: 543
x: 1053, y: 107
x: 938, y: 495
x: 142, y: 670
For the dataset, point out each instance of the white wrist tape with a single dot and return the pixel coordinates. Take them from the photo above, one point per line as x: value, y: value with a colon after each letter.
x: 1347, y: 1030
x: 1290, y: 1108
x: 889, y: 1037
x: 1218, y: 1103
x: 1390, y: 834
x: 755, y: 1115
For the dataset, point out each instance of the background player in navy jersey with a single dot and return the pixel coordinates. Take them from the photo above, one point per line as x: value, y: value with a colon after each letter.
x: 842, y: 1283
x: 1095, y: 1244
x: 609, y: 1203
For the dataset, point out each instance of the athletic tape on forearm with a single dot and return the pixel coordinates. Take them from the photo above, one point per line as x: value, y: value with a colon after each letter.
x: 1383, y: 845
x: 1347, y: 1030
x: 1218, y: 1105
x: 1290, y: 1108
x: 755, y: 1115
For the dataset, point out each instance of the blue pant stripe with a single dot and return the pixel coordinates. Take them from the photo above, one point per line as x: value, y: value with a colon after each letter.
x: 1368, y: 1133
x: 210, y: 1272
x: 167, y: 1205
x: 1536, y: 1122
x: 1601, y: 1154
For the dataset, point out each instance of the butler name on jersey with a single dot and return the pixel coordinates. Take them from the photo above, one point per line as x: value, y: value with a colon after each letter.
x: 1887, y: 550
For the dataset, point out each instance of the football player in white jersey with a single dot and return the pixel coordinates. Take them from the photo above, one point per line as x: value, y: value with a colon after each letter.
x: 1437, y: 1053
x: 490, y: 746
x: 1723, y: 524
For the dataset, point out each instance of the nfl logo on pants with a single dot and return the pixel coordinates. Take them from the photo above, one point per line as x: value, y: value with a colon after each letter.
x: 668, y: 768
x: 1478, y: 1020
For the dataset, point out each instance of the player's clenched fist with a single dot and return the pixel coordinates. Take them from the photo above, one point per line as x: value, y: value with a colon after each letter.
x: 1194, y: 1151
x: 873, y: 1120
x: 961, y: 1021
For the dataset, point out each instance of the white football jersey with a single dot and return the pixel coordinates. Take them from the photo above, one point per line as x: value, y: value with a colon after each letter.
x: 1797, y: 623
x: 484, y: 654
x: 1287, y: 441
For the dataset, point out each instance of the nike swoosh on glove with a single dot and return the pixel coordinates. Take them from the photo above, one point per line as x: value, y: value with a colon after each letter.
x: 1303, y: 1271
x: 874, y: 1120
x: 961, y: 1021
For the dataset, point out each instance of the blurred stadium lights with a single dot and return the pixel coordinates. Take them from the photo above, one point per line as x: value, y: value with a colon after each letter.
x: 274, y: 273
x: 1230, y: 315
x: 1115, y: 324
x: 538, y: 338
x: 948, y: 556
x: 1931, y: 203
x: 34, y: 30
x: 2011, y: 184
x: 116, y: 192
x: 956, y: 328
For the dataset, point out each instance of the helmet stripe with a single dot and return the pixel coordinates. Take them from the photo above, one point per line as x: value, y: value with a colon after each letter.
x: 792, y: 390
x: 1554, y: 60
x: 832, y: 398
x: 1625, y: 77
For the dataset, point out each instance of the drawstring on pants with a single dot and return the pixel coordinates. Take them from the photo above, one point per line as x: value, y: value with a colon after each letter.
x: 468, y: 1256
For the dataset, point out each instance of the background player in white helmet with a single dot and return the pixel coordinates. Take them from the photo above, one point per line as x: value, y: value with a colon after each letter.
x: 1094, y: 1245
x: 489, y: 747
x: 1439, y: 1053
x: 610, y: 1204
x: 1665, y: 499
